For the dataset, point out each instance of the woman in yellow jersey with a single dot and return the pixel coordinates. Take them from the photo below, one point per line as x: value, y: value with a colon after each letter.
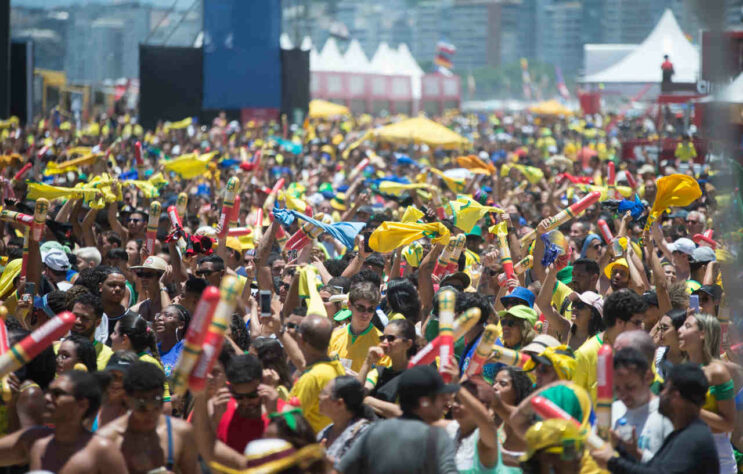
x: 699, y: 337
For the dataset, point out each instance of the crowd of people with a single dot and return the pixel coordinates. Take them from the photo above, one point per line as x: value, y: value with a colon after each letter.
x: 346, y: 259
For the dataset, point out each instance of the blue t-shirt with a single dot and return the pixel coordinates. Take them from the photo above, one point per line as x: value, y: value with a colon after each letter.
x: 170, y: 358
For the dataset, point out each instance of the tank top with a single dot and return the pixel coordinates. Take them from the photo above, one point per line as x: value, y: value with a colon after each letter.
x: 467, y: 456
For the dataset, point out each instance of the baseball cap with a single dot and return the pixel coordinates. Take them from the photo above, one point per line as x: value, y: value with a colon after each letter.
x: 593, y: 300
x: 713, y: 290
x: 521, y: 312
x: 561, y: 358
x: 703, y: 255
x: 458, y: 277
x: 152, y: 263
x: 682, y: 245
x: 646, y: 169
x: 520, y: 295
x: 422, y: 381
x: 56, y: 259
x: 540, y: 343
x: 117, y: 363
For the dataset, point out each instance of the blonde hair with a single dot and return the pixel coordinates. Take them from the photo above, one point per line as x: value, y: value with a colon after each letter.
x: 527, y: 332
x: 710, y: 326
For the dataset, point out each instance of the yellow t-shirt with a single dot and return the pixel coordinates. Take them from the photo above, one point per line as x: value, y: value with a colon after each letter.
x: 685, y: 151
x: 145, y: 357
x: 345, y: 345
x: 308, y: 388
x: 102, y: 354
x: 585, y: 371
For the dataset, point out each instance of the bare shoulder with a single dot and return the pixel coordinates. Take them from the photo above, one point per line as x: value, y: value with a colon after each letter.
x: 181, y: 427
x: 717, y: 372
x: 113, y: 430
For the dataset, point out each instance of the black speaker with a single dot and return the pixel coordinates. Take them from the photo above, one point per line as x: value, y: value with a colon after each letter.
x: 295, y: 83
x: 4, y: 58
x: 22, y: 80
x: 170, y: 83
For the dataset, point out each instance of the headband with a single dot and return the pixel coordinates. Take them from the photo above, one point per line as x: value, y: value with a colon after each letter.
x: 290, y: 420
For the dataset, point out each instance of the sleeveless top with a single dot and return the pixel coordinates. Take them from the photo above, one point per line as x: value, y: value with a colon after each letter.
x: 467, y: 456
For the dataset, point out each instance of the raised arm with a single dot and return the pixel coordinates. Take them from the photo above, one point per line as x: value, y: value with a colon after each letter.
x: 544, y: 301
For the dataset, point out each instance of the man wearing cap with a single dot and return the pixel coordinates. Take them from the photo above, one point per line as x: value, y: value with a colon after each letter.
x: 56, y: 264
x: 551, y: 364
x: 681, y: 250
x: 690, y: 448
x: 699, y: 264
x: 623, y: 311
x: 423, y: 448
x: 149, y: 275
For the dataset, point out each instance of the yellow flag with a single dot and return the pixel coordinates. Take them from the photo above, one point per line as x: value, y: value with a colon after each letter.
x: 53, y: 168
x: 391, y: 235
x: 412, y: 214
x: 151, y: 187
x: 676, y: 190
x: 455, y: 184
x: 531, y: 173
x: 190, y: 165
x: 12, y: 270
x: 179, y: 124
x: 467, y: 212
x: 308, y: 289
x: 476, y: 165
x: 396, y: 189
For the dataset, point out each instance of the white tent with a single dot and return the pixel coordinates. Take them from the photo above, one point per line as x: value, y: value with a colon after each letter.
x: 597, y: 57
x: 409, y: 66
x: 384, y: 60
x: 355, y: 60
x: 643, y: 64
x: 330, y: 58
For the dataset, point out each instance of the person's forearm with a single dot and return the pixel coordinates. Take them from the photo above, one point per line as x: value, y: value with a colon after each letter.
x: 293, y: 352
x: 482, y: 418
x: 87, y: 228
x: 365, y: 368
x: 382, y: 408
x: 716, y: 422
x: 264, y: 246
x: 353, y: 267
x: 292, y: 296
x: 203, y: 431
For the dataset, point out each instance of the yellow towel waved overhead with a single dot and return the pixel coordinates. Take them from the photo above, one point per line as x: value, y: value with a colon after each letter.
x: 412, y: 214
x: 308, y: 289
x: 396, y: 189
x: 467, y: 212
x: 455, y: 184
x: 391, y: 235
x: 676, y: 190
x: 53, y: 168
x: 531, y: 173
x: 178, y: 125
x: 476, y: 165
x: 190, y: 165
x: 151, y: 187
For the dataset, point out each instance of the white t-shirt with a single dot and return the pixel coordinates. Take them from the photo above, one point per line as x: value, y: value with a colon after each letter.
x: 651, y: 427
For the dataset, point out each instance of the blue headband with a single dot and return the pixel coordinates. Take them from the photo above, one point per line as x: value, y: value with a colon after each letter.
x: 589, y: 238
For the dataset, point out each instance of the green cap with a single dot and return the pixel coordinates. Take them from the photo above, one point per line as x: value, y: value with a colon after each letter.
x: 522, y: 312
x: 342, y: 315
x: 477, y: 230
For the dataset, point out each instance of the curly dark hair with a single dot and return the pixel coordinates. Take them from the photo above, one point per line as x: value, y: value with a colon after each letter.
x: 466, y: 300
x: 239, y: 333
x: 622, y: 305
x: 521, y: 383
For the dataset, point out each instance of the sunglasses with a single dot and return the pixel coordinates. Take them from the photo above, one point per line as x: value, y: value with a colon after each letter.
x: 364, y: 309
x: 134, y: 220
x: 389, y: 339
x: 205, y: 272
x: 146, y: 274
x: 579, y: 305
x: 509, y: 322
x: 145, y: 404
x: 291, y: 325
x: 244, y: 396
